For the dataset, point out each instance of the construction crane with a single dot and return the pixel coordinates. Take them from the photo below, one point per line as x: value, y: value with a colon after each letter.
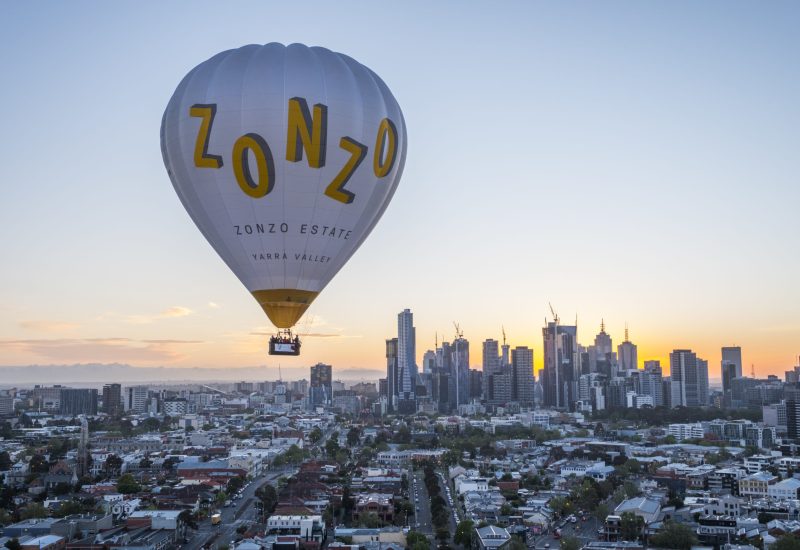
x: 555, y: 315
x: 459, y: 332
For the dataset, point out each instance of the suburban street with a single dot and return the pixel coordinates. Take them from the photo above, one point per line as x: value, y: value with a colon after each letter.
x: 241, y: 511
x: 584, y: 531
x: 422, y: 503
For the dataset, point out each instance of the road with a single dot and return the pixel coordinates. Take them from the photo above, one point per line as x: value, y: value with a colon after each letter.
x: 418, y: 494
x: 241, y: 511
x: 447, y: 495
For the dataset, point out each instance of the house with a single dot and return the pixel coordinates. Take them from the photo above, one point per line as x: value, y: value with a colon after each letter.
x: 491, y: 537
x: 465, y: 484
x: 45, y: 542
x: 380, y: 504
x: 646, y: 508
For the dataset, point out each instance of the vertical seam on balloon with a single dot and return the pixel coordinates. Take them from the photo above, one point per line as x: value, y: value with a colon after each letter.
x: 320, y: 172
x: 181, y: 194
x: 398, y: 169
x: 220, y: 176
x: 285, y: 120
x: 316, y: 271
x: 378, y: 213
x: 252, y: 201
x: 356, y: 85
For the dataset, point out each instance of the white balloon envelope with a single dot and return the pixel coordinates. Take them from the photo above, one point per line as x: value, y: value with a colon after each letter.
x: 285, y: 157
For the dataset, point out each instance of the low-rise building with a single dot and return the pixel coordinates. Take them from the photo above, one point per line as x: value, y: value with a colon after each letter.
x: 308, y: 527
x: 785, y: 490
x: 757, y: 485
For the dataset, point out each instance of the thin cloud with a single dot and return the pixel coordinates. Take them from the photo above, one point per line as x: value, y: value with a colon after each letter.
x: 42, y: 325
x: 213, y: 305
x: 173, y: 312
x: 112, y: 349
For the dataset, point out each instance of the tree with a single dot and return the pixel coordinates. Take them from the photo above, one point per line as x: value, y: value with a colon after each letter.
x: 560, y: 506
x: 127, y: 484
x: 5, y: 461
x: 601, y: 512
x: 331, y: 447
x: 62, y: 488
x: 463, y: 534
x: 674, y: 535
x: 170, y: 462
x: 631, y: 490
x: 516, y: 544
x: 234, y: 484
x: 370, y: 520
x: 786, y: 542
x: 353, y: 436
x: 415, y: 536
x: 443, y: 535
x: 34, y: 510
x: 570, y: 543
x: 269, y: 498
x: 631, y: 526
x: 765, y: 517
x: 68, y: 508
x: 315, y: 435
x: 13, y: 544
x: 151, y: 424
x: 38, y: 465
x: 113, y: 464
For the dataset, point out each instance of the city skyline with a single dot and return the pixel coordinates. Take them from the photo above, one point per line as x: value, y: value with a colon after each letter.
x: 639, y: 166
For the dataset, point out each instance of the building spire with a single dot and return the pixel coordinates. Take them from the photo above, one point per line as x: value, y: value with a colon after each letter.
x: 602, y: 325
x: 626, y: 331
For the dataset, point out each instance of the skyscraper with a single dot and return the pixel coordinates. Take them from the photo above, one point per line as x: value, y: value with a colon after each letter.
x: 497, y: 379
x: 78, y: 401
x: 627, y: 354
x: 732, y: 356
x: 651, y: 382
x: 406, y: 355
x: 523, y: 380
x: 491, y: 357
x: 428, y: 361
x: 561, y: 365
x: 320, y: 391
x: 702, y: 382
x: 112, y: 399
x: 136, y: 398
x: 460, y: 350
x: 601, y: 354
x: 689, y: 378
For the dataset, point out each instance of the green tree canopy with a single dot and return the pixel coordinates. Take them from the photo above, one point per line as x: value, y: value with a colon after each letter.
x: 127, y: 484
x: 674, y: 535
x: 570, y: 543
x: 631, y: 526
x: 786, y: 542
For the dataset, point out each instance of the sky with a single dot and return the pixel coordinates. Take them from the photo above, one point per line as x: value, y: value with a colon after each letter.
x: 627, y: 161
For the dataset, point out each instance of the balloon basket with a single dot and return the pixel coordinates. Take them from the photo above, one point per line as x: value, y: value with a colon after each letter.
x: 284, y: 343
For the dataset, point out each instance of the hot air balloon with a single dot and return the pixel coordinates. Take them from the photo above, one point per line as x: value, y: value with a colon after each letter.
x: 285, y: 157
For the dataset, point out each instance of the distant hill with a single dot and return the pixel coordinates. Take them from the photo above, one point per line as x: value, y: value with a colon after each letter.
x: 99, y: 373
